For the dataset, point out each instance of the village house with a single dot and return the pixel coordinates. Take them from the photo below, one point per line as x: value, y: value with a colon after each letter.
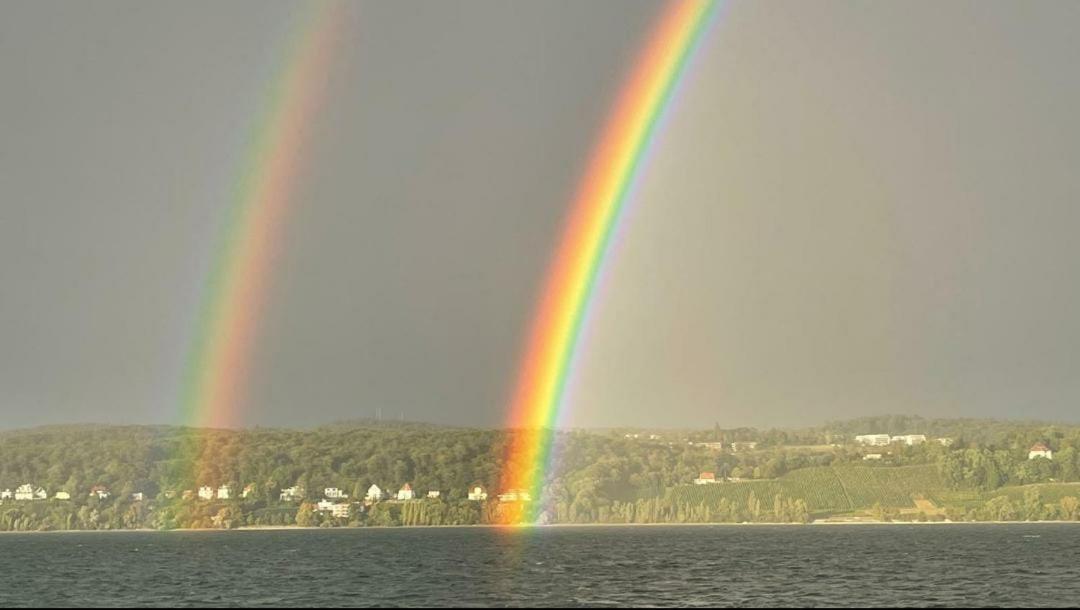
x: 249, y: 489
x: 224, y: 492
x: 515, y: 495
x: 334, y: 493
x: 1040, y: 450
x: 292, y: 494
x: 433, y: 494
x: 713, y: 446
x: 743, y: 446
x: 872, y: 456
x: 100, y: 492
x: 6, y: 494
x: 206, y: 492
x: 706, y: 478
x: 339, y: 510
x: 874, y: 440
x: 477, y: 494
x: 138, y: 496
x: 29, y: 492
x: 406, y: 493
x: 374, y: 493
x: 62, y: 495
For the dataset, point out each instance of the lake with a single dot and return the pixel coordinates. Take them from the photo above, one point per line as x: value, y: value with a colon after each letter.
x: 849, y: 565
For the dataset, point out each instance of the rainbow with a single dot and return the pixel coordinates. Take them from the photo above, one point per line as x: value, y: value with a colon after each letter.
x: 593, y: 219
x: 218, y: 363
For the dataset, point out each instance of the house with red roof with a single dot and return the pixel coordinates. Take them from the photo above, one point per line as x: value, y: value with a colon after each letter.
x: 1040, y: 450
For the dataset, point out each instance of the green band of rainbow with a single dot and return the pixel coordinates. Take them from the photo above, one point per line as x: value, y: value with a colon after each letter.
x: 591, y: 224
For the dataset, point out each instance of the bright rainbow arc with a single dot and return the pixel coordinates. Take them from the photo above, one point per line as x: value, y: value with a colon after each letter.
x: 593, y: 219
x: 218, y: 365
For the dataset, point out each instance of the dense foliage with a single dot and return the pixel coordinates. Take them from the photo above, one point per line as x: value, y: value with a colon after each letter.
x: 618, y: 476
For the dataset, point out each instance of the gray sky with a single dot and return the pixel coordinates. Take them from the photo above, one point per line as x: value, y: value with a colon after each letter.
x: 852, y: 208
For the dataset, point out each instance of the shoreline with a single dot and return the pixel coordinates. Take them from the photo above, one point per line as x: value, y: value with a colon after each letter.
x: 297, y: 528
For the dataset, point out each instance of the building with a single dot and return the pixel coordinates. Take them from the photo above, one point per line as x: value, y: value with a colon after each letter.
x: 909, y: 439
x: 714, y: 446
x: 206, y: 492
x: 433, y: 495
x: 743, y: 446
x: 29, y: 492
x: 477, y: 494
x: 292, y: 494
x: 334, y: 493
x: 374, y: 493
x: 62, y: 495
x: 706, y: 478
x: 248, y: 490
x: 515, y: 495
x: 872, y: 456
x: 100, y: 492
x: 224, y: 492
x: 339, y: 510
x: 1037, y: 450
x: 6, y: 494
x: 406, y: 493
x: 874, y: 440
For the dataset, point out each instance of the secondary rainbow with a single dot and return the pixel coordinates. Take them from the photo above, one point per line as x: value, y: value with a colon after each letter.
x: 593, y: 219
x: 219, y: 361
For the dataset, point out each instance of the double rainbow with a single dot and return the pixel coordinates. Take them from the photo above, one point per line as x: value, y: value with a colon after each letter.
x: 594, y: 216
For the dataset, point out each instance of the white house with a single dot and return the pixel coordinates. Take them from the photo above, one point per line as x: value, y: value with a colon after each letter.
x: 515, y: 495
x: 339, y: 510
x: 100, y: 491
x: 743, y: 446
x: 433, y: 494
x: 292, y: 494
x: 6, y: 495
x: 909, y: 439
x: 334, y: 493
x: 713, y: 446
x: 1037, y: 450
x: 206, y: 492
x: 406, y: 493
x: 224, y: 492
x: 873, y: 440
x: 30, y: 492
x: 872, y: 456
x: 477, y: 494
x: 138, y: 496
x: 62, y: 495
x: 374, y: 494
x: 706, y: 478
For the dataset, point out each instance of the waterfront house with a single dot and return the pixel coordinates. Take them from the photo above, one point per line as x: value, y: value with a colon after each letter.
x: 206, y: 492
x: 292, y: 494
x: 515, y: 495
x: 1040, y: 450
x: 224, y: 492
x: 339, y: 510
x: 706, y: 478
x: 406, y: 493
x: 29, y: 492
x: 374, y: 493
x: 477, y: 494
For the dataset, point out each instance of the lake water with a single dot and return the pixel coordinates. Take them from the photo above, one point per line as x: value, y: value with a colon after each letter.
x: 970, y: 565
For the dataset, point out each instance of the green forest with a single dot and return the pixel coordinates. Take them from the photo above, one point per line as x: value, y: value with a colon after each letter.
x: 983, y: 473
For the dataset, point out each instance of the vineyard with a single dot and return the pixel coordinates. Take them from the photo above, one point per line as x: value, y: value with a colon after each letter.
x: 826, y: 489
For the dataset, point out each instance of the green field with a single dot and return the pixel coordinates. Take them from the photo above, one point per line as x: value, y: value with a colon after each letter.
x: 835, y: 489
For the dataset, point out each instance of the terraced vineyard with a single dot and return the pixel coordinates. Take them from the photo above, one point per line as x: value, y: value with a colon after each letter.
x: 835, y: 489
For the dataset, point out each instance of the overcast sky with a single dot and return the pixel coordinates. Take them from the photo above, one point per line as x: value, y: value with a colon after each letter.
x: 851, y: 208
